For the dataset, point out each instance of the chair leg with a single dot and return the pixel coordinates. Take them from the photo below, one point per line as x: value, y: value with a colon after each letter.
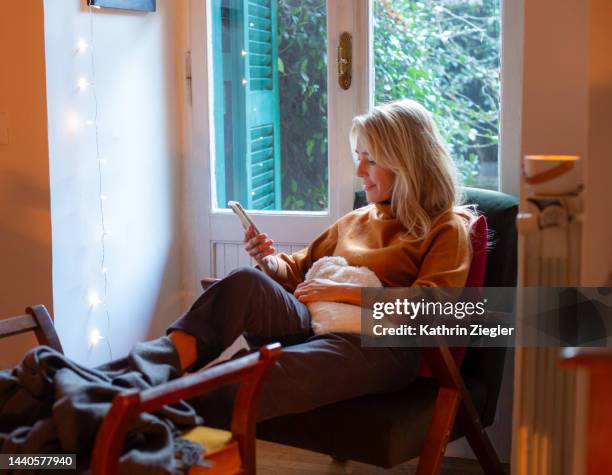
x: 248, y: 453
x: 442, y: 423
x: 478, y: 439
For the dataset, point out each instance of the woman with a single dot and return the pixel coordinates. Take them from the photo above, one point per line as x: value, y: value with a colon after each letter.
x: 412, y: 234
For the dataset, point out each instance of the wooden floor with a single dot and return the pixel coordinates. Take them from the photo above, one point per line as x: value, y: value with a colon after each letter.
x: 275, y: 459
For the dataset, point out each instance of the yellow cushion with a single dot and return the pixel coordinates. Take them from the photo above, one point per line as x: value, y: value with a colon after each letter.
x: 211, y: 439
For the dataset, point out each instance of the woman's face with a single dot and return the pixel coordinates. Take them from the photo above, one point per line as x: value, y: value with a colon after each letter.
x: 377, y: 180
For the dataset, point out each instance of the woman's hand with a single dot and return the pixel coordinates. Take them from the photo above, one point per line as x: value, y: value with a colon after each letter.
x: 316, y: 290
x: 262, y: 250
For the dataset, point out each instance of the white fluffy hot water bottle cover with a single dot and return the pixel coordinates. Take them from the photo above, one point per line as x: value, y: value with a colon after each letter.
x: 336, y: 317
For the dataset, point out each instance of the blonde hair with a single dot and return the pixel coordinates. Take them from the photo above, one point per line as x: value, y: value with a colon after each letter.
x: 403, y: 137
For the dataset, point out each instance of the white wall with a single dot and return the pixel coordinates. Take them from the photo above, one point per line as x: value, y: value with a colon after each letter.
x: 25, y: 217
x: 139, y: 87
x: 555, y: 77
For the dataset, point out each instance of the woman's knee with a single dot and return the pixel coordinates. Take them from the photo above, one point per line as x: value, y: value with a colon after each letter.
x: 244, y: 276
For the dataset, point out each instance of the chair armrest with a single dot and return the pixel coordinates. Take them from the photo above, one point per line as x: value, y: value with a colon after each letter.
x: 248, y: 370
x: 203, y: 381
x: 207, y: 282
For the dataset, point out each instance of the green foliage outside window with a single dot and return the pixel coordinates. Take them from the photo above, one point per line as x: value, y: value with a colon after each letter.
x: 444, y: 54
x: 302, y: 77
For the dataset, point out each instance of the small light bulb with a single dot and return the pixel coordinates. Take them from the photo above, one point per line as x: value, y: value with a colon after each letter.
x: 83, y: 83
x: 244, y: 81
x: 89, y: 122
x: 243, y: 52
x: 95, y: 337
x: 103, y: 197
x: 82, y: 45
x: 104, y: 270
x: 94, y: 299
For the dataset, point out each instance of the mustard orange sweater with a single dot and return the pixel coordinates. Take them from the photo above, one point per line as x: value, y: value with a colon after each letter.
x: 372, y: 237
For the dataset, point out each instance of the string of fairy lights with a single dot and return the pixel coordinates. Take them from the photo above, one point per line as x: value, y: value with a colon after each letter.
x: 85, y: 85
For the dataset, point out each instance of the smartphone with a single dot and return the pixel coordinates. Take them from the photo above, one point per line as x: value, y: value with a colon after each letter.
x: 245, y: 219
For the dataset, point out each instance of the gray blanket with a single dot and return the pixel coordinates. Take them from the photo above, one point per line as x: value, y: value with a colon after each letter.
x: 49, y: 404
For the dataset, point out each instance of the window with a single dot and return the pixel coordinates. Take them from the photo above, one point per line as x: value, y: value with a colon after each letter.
x: 446, y: 55
x: 270, y: 95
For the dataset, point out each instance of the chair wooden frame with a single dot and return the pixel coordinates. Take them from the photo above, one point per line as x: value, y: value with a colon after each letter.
x: 248, y: 371
x: 452, y: 403
x: 36, y: 319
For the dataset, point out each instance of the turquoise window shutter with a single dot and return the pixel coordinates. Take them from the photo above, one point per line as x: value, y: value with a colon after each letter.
x: 247, y: 117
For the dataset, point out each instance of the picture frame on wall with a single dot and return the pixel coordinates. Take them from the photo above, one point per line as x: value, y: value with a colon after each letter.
x: 134, y: 5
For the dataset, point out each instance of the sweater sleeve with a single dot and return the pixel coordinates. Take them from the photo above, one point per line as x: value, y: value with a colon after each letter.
x: 293, y: 267
x: 447, y: 261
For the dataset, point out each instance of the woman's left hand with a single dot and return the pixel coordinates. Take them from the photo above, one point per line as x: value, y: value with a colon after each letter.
x: 316, y: 290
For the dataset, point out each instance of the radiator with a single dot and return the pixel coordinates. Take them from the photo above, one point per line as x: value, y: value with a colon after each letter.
x: 228, y: 255
x: 545, y: 397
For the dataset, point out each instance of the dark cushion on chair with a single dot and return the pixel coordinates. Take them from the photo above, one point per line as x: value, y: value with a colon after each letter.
x: 380, y: 429
x: 500, y: 209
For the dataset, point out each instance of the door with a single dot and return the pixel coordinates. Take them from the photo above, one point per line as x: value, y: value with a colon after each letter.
x: 276, y: 120
x: 258, y: 100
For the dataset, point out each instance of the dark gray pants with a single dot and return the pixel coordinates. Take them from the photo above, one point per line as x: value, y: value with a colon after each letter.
x: 312, y: 370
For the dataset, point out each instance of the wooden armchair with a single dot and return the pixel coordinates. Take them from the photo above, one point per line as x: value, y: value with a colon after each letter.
x: 230, y: 452
x: 419, y: 420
